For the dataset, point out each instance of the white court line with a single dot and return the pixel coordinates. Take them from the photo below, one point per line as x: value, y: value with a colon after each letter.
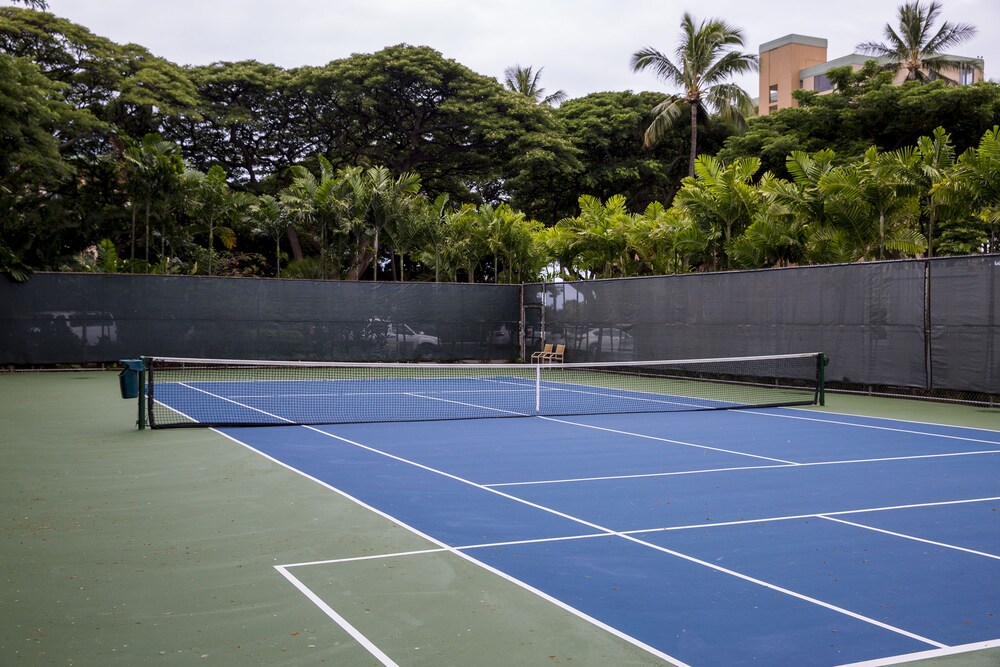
x: 499, y: 573
x: 469, y: 405
x: 547, y: 385
x: 638, y: 475
x: 878, y: 428
x: 924, y: 655
x: 792, y: 517
x: 610, y: 532
x: 339, y: 394
x: 910, y: 537
x: 673, y: 442
x: 883, y: 459
x: 242, y: 405
x: 400, y: 554
x: 338, y: 619
x: 813, y: 411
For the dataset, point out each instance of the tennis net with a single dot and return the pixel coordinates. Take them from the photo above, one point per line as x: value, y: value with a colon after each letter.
x: 224, y: 392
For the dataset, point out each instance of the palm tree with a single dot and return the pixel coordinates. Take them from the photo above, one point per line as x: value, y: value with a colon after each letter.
x: 269, y: 219
x: 704, y: 64
x: 317, y: 204
x: 216, y: 206
x: 975, y: 185
x: 933, y: 166
x: 151, y: 169
x: 915, y: 47
x: 526, y: 82
x: 390, y: 204
x: 873, y: 205
x: 723, y: 199
x: 430, y: 233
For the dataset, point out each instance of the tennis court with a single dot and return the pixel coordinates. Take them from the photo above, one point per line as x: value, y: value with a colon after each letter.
x: 765, y: 535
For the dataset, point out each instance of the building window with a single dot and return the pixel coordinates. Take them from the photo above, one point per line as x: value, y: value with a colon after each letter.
x: 773, y: 95
x: 772, y: 108
x: 966, y: 74
x: 821, y: 83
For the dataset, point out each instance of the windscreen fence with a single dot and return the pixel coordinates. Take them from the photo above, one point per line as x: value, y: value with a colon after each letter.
x: 910, y: 327
x: 930, y: 326
x: 61, y: 318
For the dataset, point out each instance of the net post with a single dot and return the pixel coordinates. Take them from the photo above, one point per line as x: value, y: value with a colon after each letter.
x: 145, y: 392
x: 821, y: 361
x: 141, y: 421
x: 538, y: 389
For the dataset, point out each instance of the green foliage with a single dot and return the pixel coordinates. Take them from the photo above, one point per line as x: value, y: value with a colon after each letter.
x: 607, y: 130
x: 606, y: 240
x: 722, y: 199
x: 973, y: 189
x: 873, y: 205
x: 888, y: 117
x: 242, y: 121
x: 32, y: 168
x: 216, y: 209
x: 123, y: 85
x: 411, y: 110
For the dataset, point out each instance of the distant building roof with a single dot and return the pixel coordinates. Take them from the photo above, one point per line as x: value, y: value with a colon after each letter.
x: 861, y: 59
x: 793, y: 39
x: 850, y: 59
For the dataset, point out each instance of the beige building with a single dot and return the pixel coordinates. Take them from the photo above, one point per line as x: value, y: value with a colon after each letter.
x: 797, y: 62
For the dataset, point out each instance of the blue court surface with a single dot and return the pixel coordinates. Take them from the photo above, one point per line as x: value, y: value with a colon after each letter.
x: 775, y: 536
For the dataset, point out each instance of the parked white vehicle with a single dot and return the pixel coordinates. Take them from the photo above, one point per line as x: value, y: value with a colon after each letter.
x: 605, y: 339
x: 93, y: 328
x: 401, y: 340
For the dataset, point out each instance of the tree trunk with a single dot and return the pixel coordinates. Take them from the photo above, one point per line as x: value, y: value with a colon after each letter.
x: 694, y: 137
x: 147, y: 233
x: 375, y: 258
x: 361, y: 261
x: 930, y: 234
x: 132, y: 251
x: 211, y: 239
x: 293, y: 241
x: 881, y: 234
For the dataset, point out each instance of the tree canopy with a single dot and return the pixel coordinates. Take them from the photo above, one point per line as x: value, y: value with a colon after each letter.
x: 405, y: 165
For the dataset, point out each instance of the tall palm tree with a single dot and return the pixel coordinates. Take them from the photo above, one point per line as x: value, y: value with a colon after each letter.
x: 935, y: 159
x: 317, y: 205
x: 268, y: 218
x: 390, y: 204
x: 915, y: 46
x: 525, y: 81
x: 215, y: 206
x: 151, y: 170
x: 704, y: 63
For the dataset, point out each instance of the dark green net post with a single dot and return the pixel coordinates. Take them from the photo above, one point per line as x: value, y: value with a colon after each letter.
x: 821, y: 361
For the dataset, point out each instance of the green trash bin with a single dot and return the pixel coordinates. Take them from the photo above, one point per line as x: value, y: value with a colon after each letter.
x: 130, y: 376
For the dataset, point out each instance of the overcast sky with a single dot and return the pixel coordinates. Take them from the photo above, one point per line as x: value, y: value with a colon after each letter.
x: 584, y: 45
